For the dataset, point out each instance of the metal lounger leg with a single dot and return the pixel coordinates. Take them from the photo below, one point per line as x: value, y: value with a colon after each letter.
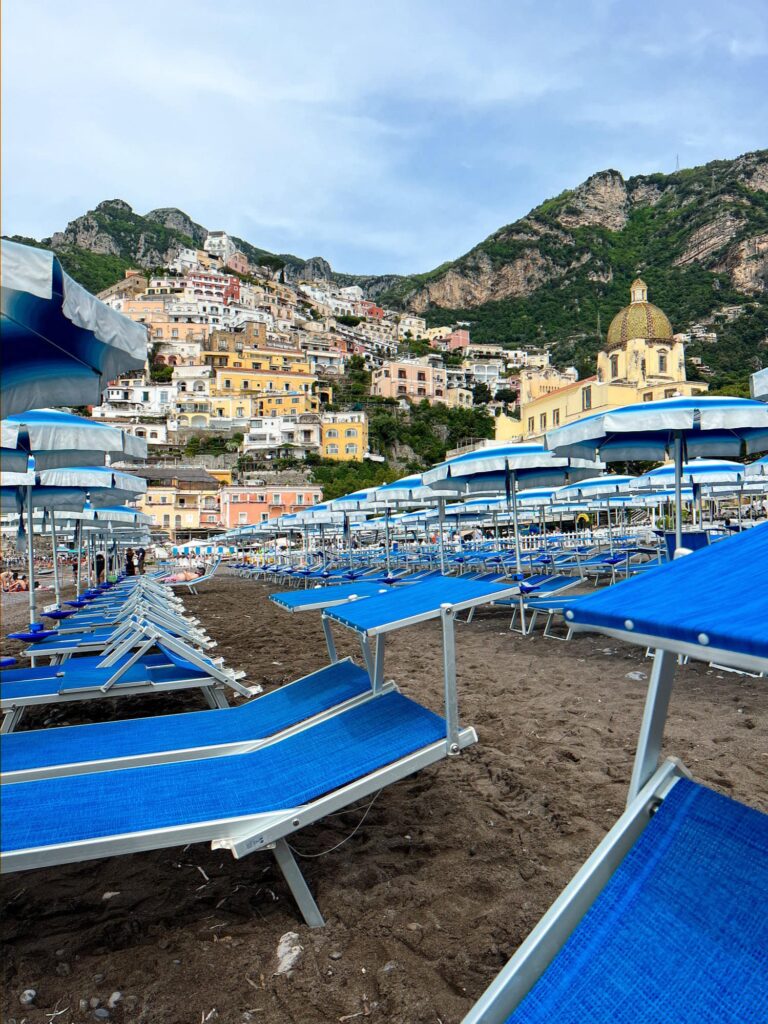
x: 11, y: 719
x: 297, y: 884
x: 449, y: 673
x: 215, y: 698
x: 654, y: 717
x: 329, y: 641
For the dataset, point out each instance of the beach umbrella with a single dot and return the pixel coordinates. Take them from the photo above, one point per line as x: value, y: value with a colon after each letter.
x: 758, y: 385
x: 65, y: 488
x: 501, y: 469
x: 677, y: 428
x: 409, y: 491
x: 60, y: 345
x: 757, y: 469
x: 58, y: 438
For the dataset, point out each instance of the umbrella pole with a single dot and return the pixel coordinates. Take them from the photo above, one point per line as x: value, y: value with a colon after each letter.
x: 518, y: 562
x: 30, y: 559
x: 348, y: 531
x: 386, y: 540
x: 78, y: 553
x: 608, y: 520
x: 441, y: 522
x: 56, y: 586
x: 678, y: 491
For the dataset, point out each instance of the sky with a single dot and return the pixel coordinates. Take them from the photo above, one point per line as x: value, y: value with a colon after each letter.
x: 386, y: 135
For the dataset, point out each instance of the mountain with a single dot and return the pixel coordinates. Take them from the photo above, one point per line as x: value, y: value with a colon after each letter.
x: 699, y: 237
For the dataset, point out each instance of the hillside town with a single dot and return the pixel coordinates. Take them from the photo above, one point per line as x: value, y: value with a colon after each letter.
x: 256, y: 369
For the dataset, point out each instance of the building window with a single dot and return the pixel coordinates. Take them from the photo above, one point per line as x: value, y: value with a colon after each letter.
x: 586, y: 398
x: 350, y: 432
x: 555, y: 417
x: 275, y: 499
x: 351, y: 449
x: 543, y: 421
x: 332, y: 433
x: 662, y: 362
x: 177, y: 522
x: 530, y: 424
x: 333, y: 449
x: 299, y: 499
x: 264, y: 516
x: 244, y: 385
x: 614, y: 367
x: 242, y: 517
x: 166, y: 520
x: 227, y: 383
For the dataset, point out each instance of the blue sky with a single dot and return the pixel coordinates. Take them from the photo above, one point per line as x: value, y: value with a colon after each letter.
x: 385, y: 136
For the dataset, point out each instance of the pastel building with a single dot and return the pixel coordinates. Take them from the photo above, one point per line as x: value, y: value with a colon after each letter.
x: 344, y: 436
x: 247, y: 505
x: 414, y: 379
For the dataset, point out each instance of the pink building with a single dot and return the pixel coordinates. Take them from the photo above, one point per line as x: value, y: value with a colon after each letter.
x: 410, y: 378
x: 244, y: 505
x: 238, y: 262
x: 458, y: 339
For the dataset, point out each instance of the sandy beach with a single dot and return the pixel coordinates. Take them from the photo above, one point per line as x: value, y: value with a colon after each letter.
x: 448, y: 872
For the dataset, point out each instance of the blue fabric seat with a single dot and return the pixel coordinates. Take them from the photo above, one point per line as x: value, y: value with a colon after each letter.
x: 293, y: 703
x: 683, y: 600
x: 420, y: 600
x: 680, y: 932
x: 279, y: 776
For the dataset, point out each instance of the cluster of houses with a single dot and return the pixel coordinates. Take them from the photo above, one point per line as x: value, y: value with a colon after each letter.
x: 236, y: 349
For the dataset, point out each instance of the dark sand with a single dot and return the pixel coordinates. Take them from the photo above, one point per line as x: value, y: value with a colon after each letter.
x: 448, y: 873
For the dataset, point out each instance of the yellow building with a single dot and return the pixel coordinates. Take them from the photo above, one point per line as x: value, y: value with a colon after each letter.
x: 344, y: 436
x: 251, y: 379
x: 642, y: 362
x: 182, y: 501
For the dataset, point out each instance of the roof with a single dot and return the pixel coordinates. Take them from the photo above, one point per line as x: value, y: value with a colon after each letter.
x: 190, y: 474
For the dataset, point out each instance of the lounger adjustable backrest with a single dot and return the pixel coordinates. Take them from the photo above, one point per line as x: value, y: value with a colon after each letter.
x: 668, y: 919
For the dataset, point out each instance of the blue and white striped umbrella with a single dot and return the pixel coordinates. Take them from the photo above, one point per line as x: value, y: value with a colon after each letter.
x: 693, y: 474
x: 758, y: 385
x: 757, y: 469
x: 56, y: 439
x: 60, y: 345
x: 499, y: 469
x: 702, y: 425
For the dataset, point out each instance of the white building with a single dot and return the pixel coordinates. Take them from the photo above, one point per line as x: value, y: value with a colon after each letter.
x: 294, y: 436
x: 416, y: 326
x: 220, y: 245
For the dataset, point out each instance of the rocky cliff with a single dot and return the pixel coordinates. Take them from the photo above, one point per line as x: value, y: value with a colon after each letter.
x: 714, y: 218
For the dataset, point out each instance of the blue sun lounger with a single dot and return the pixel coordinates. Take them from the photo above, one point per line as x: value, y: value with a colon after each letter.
x: 668, y: 919
x: 74, y: 750
x: 239, y: 802
x: 129, y: 670
x: 326, y: 597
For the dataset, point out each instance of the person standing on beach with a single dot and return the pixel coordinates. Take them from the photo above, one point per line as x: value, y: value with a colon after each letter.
x: 99, y: 568
x: 130, y: 565
x: 141, y: 554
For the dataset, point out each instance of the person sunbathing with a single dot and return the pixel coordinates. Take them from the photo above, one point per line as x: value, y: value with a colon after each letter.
x: 184, y: 576
x: 16, y: 585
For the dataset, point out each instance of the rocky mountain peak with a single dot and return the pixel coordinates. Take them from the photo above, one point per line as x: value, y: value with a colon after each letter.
x: 175, y: 219
x: 601, y: 200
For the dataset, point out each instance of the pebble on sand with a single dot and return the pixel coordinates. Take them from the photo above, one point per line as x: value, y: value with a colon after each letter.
x: 28, y: 996
x: 289, y: 951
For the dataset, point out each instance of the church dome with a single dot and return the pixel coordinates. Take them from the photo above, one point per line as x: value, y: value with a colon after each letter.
x: 640, y: 319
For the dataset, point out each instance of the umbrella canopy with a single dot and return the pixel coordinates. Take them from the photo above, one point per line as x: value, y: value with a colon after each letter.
x: 757, y: 469
x: 758, y: 385
x: 696, y: 473
x: 706, y: 425
x: 682, y: 427
x: 60, y: 345
x: 498, y: 469
x: 604, y: 486
x: 68, y: 488
x: 58, y: 438
x: 489, y: 470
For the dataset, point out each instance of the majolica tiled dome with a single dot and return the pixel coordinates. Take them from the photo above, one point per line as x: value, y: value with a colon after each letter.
x: 640, y: 319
